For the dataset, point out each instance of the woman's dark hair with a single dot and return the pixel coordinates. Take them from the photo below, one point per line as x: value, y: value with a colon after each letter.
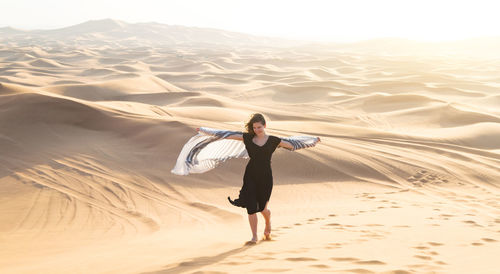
x: 256, y: 117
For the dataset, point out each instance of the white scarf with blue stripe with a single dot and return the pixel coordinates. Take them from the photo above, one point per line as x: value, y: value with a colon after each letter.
x: 210, y: 147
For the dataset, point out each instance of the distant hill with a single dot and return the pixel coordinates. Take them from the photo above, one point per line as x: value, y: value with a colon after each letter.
x: 118, y: 34
x: 114, y: 32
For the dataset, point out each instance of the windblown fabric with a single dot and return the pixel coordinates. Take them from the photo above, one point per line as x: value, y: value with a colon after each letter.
x: 210, y: 147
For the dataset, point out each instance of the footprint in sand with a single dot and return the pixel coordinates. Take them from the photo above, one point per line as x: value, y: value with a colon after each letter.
x: 367, y: 196
x: 300, y: 259
x: 266, y: 258
x: 472, y: 223
x: 487, y: 240
x: 344, y: 259
x: 370, y: 262
x: 374, y: 225
x: 427, y: 258
x: 313, y: 220
x: 333, y: 246
x: 373, y: 235
x: 425, y: 252
x: 322, y: 266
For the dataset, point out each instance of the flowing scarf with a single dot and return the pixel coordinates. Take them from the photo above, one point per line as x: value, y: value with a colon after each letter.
x: 210, y: 147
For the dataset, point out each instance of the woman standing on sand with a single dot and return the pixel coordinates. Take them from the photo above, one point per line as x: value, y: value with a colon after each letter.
x: 257, y: 180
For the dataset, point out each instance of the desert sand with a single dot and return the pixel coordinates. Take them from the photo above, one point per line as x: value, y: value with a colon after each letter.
x: 405, y: 180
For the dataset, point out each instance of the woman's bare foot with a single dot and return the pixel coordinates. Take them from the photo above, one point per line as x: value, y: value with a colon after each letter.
x: 267, y: 233
x: 252, y: 241
x: 267, y: 230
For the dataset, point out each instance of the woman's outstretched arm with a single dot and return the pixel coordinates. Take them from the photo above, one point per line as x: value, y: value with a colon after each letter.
x: 286, y: 144
x: 290, y: 146
x: 238, y: 137
x: 235, y: 136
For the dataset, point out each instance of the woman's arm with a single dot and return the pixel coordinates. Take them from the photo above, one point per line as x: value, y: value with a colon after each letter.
x: 290, y: 146
x: 238, y: 137
x: 285, y: 144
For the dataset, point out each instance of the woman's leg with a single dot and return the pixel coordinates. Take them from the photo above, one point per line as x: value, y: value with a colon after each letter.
x: 252, y: 219
x: 267, y: 216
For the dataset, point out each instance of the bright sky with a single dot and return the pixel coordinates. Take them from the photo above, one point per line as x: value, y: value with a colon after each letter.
x: 323, y: 20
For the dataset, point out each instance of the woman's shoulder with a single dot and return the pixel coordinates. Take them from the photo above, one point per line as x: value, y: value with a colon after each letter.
x: 275, y: 137
x: 247, y: 136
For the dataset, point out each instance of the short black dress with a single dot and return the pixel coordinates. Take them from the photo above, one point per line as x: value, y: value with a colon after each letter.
x: 258, y: 178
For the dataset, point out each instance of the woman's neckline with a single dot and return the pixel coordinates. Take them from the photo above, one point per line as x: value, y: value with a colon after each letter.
x: 262, y: 144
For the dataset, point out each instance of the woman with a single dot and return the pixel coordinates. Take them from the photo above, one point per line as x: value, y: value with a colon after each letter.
x: 257, y: 180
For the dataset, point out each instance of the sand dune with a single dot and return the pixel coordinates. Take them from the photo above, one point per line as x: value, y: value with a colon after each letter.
x: 405, y: 180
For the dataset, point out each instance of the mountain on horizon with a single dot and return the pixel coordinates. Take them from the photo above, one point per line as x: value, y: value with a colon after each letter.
x: 116, y: 33
x: 140, y: 34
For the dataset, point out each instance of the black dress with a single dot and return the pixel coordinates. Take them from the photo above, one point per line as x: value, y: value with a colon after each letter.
x: 258, y: 178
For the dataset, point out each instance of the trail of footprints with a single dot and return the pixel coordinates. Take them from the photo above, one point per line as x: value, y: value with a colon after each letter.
x: 425, y: 252
x: 489, y: 199
x: 365, y: 235
x: 425, y: 177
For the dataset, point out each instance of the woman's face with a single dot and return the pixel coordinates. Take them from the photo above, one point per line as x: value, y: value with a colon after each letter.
x: 258, y: 128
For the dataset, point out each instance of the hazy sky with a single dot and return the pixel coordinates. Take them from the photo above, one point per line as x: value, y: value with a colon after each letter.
x: 342, y: 20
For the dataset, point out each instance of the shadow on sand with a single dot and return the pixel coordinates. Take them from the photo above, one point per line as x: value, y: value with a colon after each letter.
x: 199, y: 262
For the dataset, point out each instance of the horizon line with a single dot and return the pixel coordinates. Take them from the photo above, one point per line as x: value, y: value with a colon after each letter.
x: 312, y: 40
